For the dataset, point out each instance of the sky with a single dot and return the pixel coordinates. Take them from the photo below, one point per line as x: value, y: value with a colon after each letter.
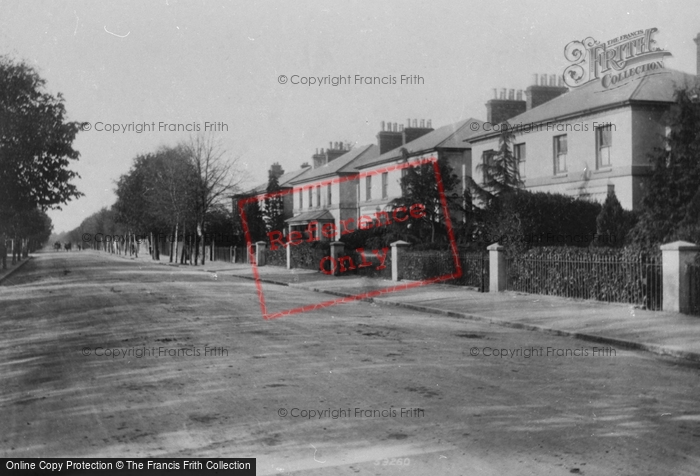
x: 196, y: 62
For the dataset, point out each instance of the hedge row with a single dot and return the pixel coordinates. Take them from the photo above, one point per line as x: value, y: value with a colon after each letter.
x: 309, y: 255
x: 610, y: 275
x: 277, y: 257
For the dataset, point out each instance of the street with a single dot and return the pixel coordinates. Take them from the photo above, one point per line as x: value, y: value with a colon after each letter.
x: 102, y: 356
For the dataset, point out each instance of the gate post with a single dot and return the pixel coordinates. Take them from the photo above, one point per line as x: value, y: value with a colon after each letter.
x: 259, y: 253
x: 397, y: 248
x: 497, y: 268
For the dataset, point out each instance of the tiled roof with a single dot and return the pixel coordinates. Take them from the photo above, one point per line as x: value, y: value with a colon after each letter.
x: 652, y: 87
x: 283, y: 181
x: 449, y: 136
x: 343, y: 164
x: 286, y: 179
x: 310, y: 216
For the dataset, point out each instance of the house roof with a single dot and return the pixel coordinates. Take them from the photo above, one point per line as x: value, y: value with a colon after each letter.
x: 314, y: 215
x: 445, y: 137
x: 653, y: 87
x: 284, y: 181
x: 343, y: 164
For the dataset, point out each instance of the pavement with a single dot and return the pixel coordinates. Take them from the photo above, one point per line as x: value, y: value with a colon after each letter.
x: 665, y: 333
x: 11, y: 268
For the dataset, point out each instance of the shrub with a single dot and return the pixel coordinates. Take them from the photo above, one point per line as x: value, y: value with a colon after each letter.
x: 520, y: 220
x: 613, y: 223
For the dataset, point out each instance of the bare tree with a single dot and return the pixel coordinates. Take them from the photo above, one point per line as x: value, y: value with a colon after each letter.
x: 218, y: 177
x: 175, y: 182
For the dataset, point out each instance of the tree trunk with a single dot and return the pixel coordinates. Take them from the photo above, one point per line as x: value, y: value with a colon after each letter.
x: 184, y: 243
x: 174, y: 246
x: 13, y: 243
x: 200, y: 231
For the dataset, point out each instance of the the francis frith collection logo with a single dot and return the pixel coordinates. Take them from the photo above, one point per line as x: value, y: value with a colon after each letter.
x: 614, y: 61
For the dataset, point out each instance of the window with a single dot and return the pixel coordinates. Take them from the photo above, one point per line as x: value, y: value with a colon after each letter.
x: 311, y: 197
x: 368, y: 188
x: 301, y: 199
x: 519, y: 152
x: 603, y: 145
x: 318, y: 196
x: 385, y: 184
x: 560, y: 150
x: 329, y: 194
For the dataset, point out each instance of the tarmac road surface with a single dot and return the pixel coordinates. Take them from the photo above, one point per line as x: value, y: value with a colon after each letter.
x: 106, y: 357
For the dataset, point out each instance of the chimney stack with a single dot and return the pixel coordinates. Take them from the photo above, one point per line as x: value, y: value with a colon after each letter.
x: 504, y: 105
x: 322, y: 157
x: 545, y: 91
x: 395, y: 135
x: 416, y: 131
x: 389, y: 138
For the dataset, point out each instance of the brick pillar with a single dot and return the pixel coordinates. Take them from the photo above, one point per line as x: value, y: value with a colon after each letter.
x: 676, y: 281
x: 259, y: 255
x: 497, y: 268
x: 337, y: 249
x: 397, y: 249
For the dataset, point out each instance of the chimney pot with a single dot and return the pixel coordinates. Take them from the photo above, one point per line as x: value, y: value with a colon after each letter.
x: 495, y: 93
x: 534, y: 83
x: 519, y: 95
x: 422, y: 123
x: 543, y: 80
x: 382, y: 126
x: 503, y: 93
x: 511, y: 94
x: 430, y: 122
x: 552, y: 79
x: 408, y: 122
x: 415, y: 122
x: 321, y: 150
x: 400, y: 127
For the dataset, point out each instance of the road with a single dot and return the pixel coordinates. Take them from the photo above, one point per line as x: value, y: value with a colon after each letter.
x: 395, y: 391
